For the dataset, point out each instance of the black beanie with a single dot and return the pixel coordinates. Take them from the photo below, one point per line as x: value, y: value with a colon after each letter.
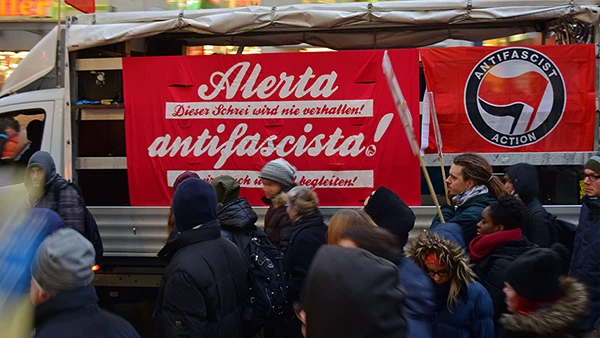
x: 535, y: 275
x: 194, y: 203
x: 388, y: 211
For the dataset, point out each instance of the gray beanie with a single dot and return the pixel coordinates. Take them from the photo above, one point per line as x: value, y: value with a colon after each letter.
x: 594, y: 163
x: 279, y: 171
x: 63, y: 261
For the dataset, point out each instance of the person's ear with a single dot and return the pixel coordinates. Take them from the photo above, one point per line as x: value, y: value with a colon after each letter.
x: 471, y: 183
x: 500, y: 227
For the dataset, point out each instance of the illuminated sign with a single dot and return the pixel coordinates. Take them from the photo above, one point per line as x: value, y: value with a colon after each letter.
x: 25, y: 8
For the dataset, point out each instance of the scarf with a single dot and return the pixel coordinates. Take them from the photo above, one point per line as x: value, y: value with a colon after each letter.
x: 483, y: 245
x: 466, y: 195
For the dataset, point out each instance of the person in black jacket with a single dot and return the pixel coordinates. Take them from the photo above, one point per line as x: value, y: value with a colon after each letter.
x: 521, y: 180
x: 499, y: 242
x: 309, y: 232
x: 61, y: 290
x: 353, y: 293
x: 205, y: 284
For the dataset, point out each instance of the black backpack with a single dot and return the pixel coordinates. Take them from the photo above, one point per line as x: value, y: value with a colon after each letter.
x: 90, y: 230
x: 268, y: 292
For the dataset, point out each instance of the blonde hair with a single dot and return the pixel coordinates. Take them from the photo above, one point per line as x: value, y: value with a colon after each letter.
x: 304, y: 199
x: 344, y: 219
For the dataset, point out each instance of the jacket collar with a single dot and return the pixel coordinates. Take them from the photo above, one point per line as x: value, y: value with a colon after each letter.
x: 593, y: 204
x: 306, y: 221
x: 553, y: 319
x: 67, y: 301
x: 190, y: 237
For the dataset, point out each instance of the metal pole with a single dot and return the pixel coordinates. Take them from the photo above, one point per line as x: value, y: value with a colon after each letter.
x: 58, y: 47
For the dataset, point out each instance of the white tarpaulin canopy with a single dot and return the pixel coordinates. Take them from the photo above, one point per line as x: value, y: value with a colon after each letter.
x: 359, y: 25
x: 411, y: 23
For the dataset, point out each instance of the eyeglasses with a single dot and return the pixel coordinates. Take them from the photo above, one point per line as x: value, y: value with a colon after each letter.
x: 441, y: 273
x: 591, y: 177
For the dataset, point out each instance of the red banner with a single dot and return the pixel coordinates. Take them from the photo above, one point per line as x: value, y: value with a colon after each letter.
x: 513, y: 99
x: 331, y: 115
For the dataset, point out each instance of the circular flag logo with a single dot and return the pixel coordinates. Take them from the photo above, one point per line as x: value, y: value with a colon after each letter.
x: 515, y: 97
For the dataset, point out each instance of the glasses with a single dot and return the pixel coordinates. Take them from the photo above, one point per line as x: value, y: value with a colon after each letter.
x: 441, y: 273
x: 591, y: 177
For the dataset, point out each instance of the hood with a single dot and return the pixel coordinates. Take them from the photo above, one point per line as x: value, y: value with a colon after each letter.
x: 73, y: 301
x: 448, y: 251
x: 227, y: 189
x: 525, y: 179
x: 593, y: 204
x: 554, y: 319
x: 451, y: 232
x: 238, y: 215
x: 353, y: 293
x: 390, y: 212
x: 45, y: 161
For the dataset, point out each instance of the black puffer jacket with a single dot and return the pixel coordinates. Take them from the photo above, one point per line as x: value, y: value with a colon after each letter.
x: 540, y: 227
x: 204, y: 286
x: 237, y: 216
x: 490, y: 270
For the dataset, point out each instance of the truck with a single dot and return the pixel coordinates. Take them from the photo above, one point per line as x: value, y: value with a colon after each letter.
x: 67, y: 77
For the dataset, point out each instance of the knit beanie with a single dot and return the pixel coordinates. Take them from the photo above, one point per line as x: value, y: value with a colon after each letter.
x: 594, y: 163
x: 279, y: 171
x: 63, y: 261
x: 183, y: 177
x: 227, y: 189
x: 194, y: 203
x: 535, y: 275
x: 388, y: 211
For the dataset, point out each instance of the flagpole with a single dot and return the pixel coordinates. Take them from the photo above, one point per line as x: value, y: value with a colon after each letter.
x: 438, y: 140
x: 404, y: 113
x: 58, y: 46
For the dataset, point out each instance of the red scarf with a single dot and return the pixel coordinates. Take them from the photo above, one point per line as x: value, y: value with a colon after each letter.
x: 483, y: 245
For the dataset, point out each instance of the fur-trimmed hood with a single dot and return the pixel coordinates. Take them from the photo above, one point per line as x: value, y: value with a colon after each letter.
x: 449, y: 252
x: 554, y: 320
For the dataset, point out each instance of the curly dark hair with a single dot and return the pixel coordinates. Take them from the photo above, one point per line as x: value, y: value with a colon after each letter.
x: 509, y: 212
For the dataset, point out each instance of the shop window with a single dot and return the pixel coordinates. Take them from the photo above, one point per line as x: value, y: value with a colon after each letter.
x: 20, y: 136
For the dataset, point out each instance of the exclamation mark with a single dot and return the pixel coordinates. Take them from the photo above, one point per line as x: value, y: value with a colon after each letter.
x: 383, y: 125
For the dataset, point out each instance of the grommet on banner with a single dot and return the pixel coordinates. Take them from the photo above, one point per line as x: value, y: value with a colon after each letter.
x: 180, y: 20
x: 273, y: 9
x: 469, y: 8
x: 370, y: 11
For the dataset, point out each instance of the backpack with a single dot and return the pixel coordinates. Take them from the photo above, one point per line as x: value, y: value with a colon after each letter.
x: 90, y: 227
x: 268, y: 291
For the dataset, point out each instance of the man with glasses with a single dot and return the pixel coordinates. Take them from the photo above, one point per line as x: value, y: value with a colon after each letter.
x: 585, y: 263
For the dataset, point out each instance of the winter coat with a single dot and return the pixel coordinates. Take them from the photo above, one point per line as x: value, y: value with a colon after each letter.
x: 204, y: 286
x: 58, y: 195
x: 490, y: 270
x: 558, y: 319
x: 585, y: 262
x: 277, y: 223
x: 466, y: 215
x: 75, y: 313
x: 540, y: 228
x: 308, y: 234
x: 420, y: 301
x: 472, y: 314
x: 237, y: 216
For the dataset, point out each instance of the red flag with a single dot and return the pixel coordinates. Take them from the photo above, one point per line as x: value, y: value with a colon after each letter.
x: 85, y: 6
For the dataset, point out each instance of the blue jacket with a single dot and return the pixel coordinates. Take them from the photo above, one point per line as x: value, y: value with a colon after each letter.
x: 420, y: 302
x: 75, y: 313
x: 585, y: 263
x: 472, y: 314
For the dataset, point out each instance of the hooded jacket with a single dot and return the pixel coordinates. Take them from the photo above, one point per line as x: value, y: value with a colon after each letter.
x: 352, y: 293
x: 472, y: 314
x: 58, y: 195
x: 557, y: 319
x: 204, y: 287
x: 388, y: 211
x: 490, y: 270
x: 540, y: 227
x: 466, y: 215
x: 585, y: 262
x: 237, y: 216
x: 75, y: 313
x: 277, y: 223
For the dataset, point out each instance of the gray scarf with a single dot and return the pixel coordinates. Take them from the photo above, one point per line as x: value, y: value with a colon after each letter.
x: 466, y: 195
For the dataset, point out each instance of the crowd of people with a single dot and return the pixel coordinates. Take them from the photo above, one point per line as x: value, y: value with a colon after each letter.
x: 499, y: 266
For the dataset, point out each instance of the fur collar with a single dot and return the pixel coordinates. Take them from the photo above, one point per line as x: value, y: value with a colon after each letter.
x: 554, y: 319
x: 448, y: 252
